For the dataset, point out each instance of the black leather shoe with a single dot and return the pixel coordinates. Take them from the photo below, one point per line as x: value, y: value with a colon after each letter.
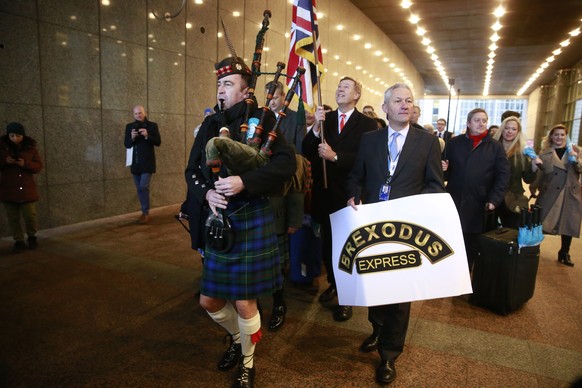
x: 371, y: 343
x: 328, y: 294
x: 342, y: 313
x: 32, y: 242
x: 19, y: 246
x: 245, y: 377
x: 564, y: 258
x: 231, y: 357
x: 386, y: 372
x: 277, y: 318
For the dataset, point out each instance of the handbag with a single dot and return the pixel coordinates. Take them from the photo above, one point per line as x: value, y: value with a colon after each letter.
x: 219, y: 232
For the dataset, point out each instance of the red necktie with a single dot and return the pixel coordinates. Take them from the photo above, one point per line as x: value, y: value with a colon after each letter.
x: 342, y: 122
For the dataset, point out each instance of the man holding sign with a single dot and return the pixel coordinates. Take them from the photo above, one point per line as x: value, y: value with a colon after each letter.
x: 394, y: 162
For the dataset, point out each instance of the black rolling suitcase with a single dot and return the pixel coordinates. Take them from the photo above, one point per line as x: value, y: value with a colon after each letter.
x: 504, y: 276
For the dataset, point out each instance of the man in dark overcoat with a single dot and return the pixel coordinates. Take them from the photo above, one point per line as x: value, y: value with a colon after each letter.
x: 343, y: 128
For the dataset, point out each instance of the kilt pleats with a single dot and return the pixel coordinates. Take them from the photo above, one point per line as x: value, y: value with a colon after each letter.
x: 252, y: 267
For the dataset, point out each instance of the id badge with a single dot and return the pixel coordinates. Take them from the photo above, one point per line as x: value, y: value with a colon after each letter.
x: 384, y: 192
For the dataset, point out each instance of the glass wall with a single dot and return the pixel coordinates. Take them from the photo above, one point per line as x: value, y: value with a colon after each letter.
x: 434, y: 109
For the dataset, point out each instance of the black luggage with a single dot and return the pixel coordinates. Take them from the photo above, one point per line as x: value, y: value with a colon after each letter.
x: 504, y: 276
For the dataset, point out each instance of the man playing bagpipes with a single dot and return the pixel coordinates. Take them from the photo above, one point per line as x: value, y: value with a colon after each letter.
x: 241, y: 257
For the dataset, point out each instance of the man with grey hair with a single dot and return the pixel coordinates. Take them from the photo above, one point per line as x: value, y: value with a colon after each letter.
x: 394, y: 162
x: 287, y: 208
x: 141, y: 136
x: 343, y: 128
x: 293, y: 131
x: 414, y: 116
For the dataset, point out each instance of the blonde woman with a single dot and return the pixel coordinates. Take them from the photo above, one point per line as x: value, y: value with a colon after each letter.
x: 559, y: 189
x: 512, y: 138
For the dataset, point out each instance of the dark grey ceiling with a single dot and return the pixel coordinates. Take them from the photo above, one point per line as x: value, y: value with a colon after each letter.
x: 460, y: 31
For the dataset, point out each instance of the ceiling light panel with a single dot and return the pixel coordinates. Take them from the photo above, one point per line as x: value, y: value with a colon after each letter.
x: 560, y: 46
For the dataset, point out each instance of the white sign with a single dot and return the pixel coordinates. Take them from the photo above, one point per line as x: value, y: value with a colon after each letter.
x: 400, y: 250
x: 128, y: 156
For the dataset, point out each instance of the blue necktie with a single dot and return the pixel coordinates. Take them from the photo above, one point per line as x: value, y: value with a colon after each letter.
x: 394, y: 147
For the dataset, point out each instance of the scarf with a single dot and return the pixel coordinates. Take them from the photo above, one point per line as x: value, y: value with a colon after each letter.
x: 477, y: 139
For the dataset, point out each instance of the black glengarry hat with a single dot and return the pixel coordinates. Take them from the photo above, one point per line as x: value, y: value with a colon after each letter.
x: 231, y: 65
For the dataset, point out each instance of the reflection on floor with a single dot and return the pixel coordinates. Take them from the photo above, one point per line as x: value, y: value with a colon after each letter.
x: 113, y: 303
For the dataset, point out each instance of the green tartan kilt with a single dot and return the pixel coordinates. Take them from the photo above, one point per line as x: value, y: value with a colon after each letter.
x: 252, y: 267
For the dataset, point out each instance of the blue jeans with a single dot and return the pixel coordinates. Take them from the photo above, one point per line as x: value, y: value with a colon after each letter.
x: 142, y: 184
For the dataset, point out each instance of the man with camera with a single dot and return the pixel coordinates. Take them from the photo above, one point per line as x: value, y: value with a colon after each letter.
x: 141, y: 136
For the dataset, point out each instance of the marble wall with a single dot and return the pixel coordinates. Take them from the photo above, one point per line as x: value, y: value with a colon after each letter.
x: 73, y: 69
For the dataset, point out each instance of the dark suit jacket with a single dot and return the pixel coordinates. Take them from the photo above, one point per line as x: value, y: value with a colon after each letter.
x: 446, y: 135
x: 325, y: 202
x: 418, y: 171
x: 294, y: 132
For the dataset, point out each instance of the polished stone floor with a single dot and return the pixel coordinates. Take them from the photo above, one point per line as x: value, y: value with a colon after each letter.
x: 112, y: 303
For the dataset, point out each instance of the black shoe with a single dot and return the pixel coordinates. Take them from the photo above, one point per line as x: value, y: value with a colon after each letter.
x: 19, y: 246
x: 32, y: 244
x: 328, y: 294
x: 564, y: 258
x: 245, y: 377
x: 277, y: 318
x: 342, y: 313
x: 386, y: 372
x: 371, y: 343
x: 231, y: 357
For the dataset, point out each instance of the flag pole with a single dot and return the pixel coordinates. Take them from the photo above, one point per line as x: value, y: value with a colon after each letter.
x: 316, y: 61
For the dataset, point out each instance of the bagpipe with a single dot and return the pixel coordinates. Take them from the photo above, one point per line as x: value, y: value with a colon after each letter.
x: 249, y: 151
x: 242, y: 155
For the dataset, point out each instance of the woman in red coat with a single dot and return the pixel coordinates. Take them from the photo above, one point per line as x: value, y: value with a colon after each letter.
x: 19, y: 160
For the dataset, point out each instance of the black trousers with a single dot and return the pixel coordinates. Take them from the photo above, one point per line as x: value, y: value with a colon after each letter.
x: 326, y: 250
x: 393, y: 321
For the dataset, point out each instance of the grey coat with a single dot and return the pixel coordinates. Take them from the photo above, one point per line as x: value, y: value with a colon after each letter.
x: 560, y: 194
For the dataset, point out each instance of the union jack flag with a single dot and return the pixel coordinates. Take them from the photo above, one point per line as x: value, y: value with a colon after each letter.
x: 301, y: 50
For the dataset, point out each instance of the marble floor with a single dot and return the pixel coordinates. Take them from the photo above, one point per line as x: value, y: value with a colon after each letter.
x: 113, y: 303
